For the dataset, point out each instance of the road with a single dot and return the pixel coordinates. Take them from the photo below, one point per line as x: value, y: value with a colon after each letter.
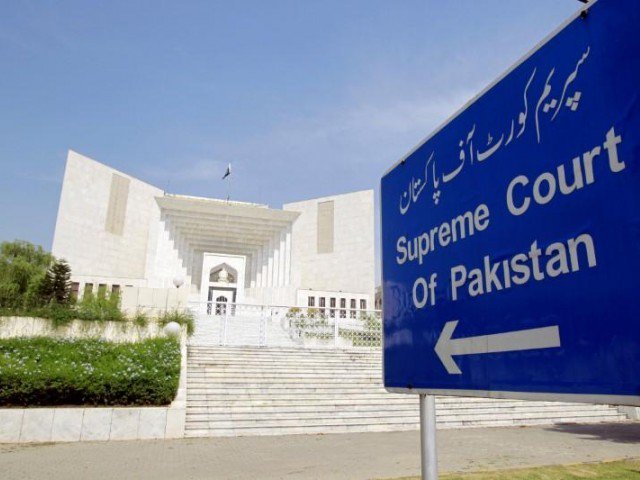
x: 327, y: 457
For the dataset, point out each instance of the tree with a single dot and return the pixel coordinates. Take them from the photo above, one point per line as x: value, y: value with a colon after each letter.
x: 59, y: 282
x: 22, y: 267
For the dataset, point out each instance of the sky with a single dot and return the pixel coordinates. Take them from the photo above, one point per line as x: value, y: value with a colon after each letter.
x: 304, y: 98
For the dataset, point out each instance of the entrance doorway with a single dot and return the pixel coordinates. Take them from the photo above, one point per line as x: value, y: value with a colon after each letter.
x: 219, y: 299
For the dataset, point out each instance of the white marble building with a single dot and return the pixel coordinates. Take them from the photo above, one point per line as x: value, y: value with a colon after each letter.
x: 116, y: 232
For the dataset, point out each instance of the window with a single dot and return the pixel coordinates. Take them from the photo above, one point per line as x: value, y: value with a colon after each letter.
x: 102, y: 290
x: 311, y: 301
x: 75, y: 289
x: 325, y: 227
x: 88, y: 289
x: 332, y: 306
x: 352, y: 305
x: 115, y: 289
x: 322, y: 301
x: 363, y: 304
x: 343, y: 305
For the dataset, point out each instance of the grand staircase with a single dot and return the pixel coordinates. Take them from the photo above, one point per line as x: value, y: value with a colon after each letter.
x: 234, y: 391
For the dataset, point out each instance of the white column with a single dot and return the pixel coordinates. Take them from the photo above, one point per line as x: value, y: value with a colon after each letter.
x: 265, y: 265
x: 259, y: 263
x: 287, y: 257
x: 253, y: 271
x: 282, y: 257
x: 276, y: 260
x: 270, y: 265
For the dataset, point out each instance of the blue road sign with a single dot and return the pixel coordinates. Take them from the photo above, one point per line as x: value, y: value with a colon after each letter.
x: 511, y: 236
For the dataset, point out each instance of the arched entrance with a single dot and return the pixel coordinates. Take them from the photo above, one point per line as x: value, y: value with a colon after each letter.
x: 222, y: 289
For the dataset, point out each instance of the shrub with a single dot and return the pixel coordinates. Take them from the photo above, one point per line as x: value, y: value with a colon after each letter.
x: 101, y: 307
x: 44, y: 372
x: 140, y: 318
x: 180, y: 317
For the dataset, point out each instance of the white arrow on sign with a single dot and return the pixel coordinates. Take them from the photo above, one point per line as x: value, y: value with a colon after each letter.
x: 447, y: 348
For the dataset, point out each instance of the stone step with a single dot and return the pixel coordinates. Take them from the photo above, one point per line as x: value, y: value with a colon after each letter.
x: 288, y: 390
x: 296, y: 422
x: 275, y: 353
x: 221, y: 370
x: 275, y: 389
x: 362, y: 400
x: 337, y: 401
x: 285, y: 378
x: 382, y: 415
x: 331, y: 424
x: 301, y: 430
x: 249, y: 408
x: 286, y: 367
x: 286, y: 397
x: 223, y: 432
x: 213, y: 372
x: 286, y: 408
x: 359, y: 383
x: 203, y: 362
x: 278, y: 351
x: 330, y: 421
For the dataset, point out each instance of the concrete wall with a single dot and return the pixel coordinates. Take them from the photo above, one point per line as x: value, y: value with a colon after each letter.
x: 82, y: 235
x: 63, y: 424
x: 350, y: 267
x: 12, y: 327
x: 34, y: 425
x: 153, y: 301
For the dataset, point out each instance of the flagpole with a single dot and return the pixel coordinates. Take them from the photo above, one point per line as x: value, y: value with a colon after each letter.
x: 226, y: 176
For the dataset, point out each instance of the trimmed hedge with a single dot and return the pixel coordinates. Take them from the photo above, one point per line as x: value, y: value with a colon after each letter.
x: 43, y: 371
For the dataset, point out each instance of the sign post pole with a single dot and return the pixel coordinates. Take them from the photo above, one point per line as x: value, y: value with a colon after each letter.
x: 428, y: 437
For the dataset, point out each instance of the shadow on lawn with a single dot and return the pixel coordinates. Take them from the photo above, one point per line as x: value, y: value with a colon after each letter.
x: 613, y: 432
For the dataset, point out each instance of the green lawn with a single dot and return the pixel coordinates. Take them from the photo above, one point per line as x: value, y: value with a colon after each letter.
x: 622, y: 470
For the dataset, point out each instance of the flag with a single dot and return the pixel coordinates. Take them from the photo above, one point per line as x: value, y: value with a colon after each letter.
x: 227, y: 172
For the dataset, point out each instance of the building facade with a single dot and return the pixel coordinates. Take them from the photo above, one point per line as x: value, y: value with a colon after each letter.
x: 117, y: 232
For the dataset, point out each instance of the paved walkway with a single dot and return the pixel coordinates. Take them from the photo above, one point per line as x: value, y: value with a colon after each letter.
x: 326, y: 457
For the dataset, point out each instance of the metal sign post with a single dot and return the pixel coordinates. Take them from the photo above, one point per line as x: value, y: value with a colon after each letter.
x: 428, y: 450
x: 510, y: 235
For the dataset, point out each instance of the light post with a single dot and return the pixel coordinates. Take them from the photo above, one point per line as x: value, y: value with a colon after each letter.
x: 178, y: 282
